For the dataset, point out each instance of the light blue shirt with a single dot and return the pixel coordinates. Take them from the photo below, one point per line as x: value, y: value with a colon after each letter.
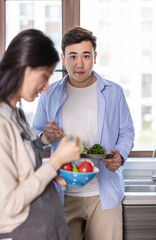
x: 114, y: 124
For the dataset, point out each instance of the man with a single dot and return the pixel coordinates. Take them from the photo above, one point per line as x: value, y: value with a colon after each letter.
x: 85, y: 104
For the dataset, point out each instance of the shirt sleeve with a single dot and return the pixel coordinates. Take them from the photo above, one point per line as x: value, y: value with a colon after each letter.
x: 126, y: 131
x: 40, y: 117
x: 19, y: 183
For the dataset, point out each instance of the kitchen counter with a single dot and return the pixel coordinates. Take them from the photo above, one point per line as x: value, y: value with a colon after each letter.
x: 139, y: 174
x: 137, y: 198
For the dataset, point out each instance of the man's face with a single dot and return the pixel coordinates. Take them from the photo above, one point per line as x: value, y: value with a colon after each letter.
x: 79, y: 60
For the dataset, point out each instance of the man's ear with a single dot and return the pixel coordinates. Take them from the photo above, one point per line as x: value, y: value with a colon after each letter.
x: 95, y: 55
x: 63, y: 59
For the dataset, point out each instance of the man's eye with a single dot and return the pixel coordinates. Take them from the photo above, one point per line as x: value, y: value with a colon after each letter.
x: 86, y: 56
x: 73, y: 57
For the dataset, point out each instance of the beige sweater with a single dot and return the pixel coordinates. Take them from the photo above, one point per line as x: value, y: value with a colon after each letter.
x: 19, y: 183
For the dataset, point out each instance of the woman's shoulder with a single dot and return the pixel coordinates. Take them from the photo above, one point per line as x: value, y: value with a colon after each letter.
x: 7, y: 126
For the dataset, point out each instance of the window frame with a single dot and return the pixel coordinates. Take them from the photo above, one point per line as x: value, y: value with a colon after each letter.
x: 2, y: 27
x: 70, y: 18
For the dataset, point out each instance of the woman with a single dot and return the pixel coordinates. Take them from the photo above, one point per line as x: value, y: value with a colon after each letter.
x: 30, y: 208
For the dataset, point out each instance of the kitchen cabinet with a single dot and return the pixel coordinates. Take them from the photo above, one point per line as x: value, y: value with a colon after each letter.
x: 139, y: 204
x: 139, y: 222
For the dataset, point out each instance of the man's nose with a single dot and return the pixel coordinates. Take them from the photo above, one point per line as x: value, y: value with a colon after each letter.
x: 79, y: 62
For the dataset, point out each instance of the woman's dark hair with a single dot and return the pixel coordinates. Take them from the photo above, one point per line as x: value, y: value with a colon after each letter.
x: 29, y: 48
x: 77, y: 35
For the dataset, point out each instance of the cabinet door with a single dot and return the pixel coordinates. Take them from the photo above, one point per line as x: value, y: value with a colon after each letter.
x: 139, y: 222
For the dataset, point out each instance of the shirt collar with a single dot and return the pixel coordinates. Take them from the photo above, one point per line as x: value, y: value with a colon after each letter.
x: 102, y: 82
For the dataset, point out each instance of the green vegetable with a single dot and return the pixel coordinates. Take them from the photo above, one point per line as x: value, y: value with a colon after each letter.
x: 83, y: 149
x: 86, y: 150
x: 96, y: 149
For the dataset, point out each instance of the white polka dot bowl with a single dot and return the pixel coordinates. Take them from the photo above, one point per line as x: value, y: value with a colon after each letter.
x: 77, y: 179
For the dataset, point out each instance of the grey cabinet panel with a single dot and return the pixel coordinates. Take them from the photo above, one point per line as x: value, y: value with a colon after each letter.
x: 139, y: 222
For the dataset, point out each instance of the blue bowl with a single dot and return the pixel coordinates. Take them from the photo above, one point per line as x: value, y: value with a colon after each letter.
x: 77, y: 179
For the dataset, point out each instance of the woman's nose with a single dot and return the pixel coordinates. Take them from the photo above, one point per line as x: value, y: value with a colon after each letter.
x: 45, y: 87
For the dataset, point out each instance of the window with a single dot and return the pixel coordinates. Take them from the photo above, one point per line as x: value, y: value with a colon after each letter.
x: 146, y: 52
x: 52, y: 13
x: 124, y: 81
x: 125, y: 31
x: 146, y: 117
x: 146, y: 12
x: 43, y: 15
x: 51, y: 16
x: 146, y: 85
x: 126, y: 48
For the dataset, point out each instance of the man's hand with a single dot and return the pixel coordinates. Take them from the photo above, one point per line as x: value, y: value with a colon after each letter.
x: 113, y: 163
x: 50, y: 132
x: 59, y: 180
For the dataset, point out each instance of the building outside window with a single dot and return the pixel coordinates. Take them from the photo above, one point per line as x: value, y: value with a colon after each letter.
x: 43, y: 15
x: 126, y: 47
x: 126, y: 53
x: 146, y: 85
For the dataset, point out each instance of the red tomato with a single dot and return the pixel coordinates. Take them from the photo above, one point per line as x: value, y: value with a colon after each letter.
x: 67, y: 167
x: 85, y: 166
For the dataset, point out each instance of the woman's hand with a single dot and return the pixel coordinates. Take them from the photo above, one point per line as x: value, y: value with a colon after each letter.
x: 66, y: 152
x: 50, y: 133
x: 113, y: 163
